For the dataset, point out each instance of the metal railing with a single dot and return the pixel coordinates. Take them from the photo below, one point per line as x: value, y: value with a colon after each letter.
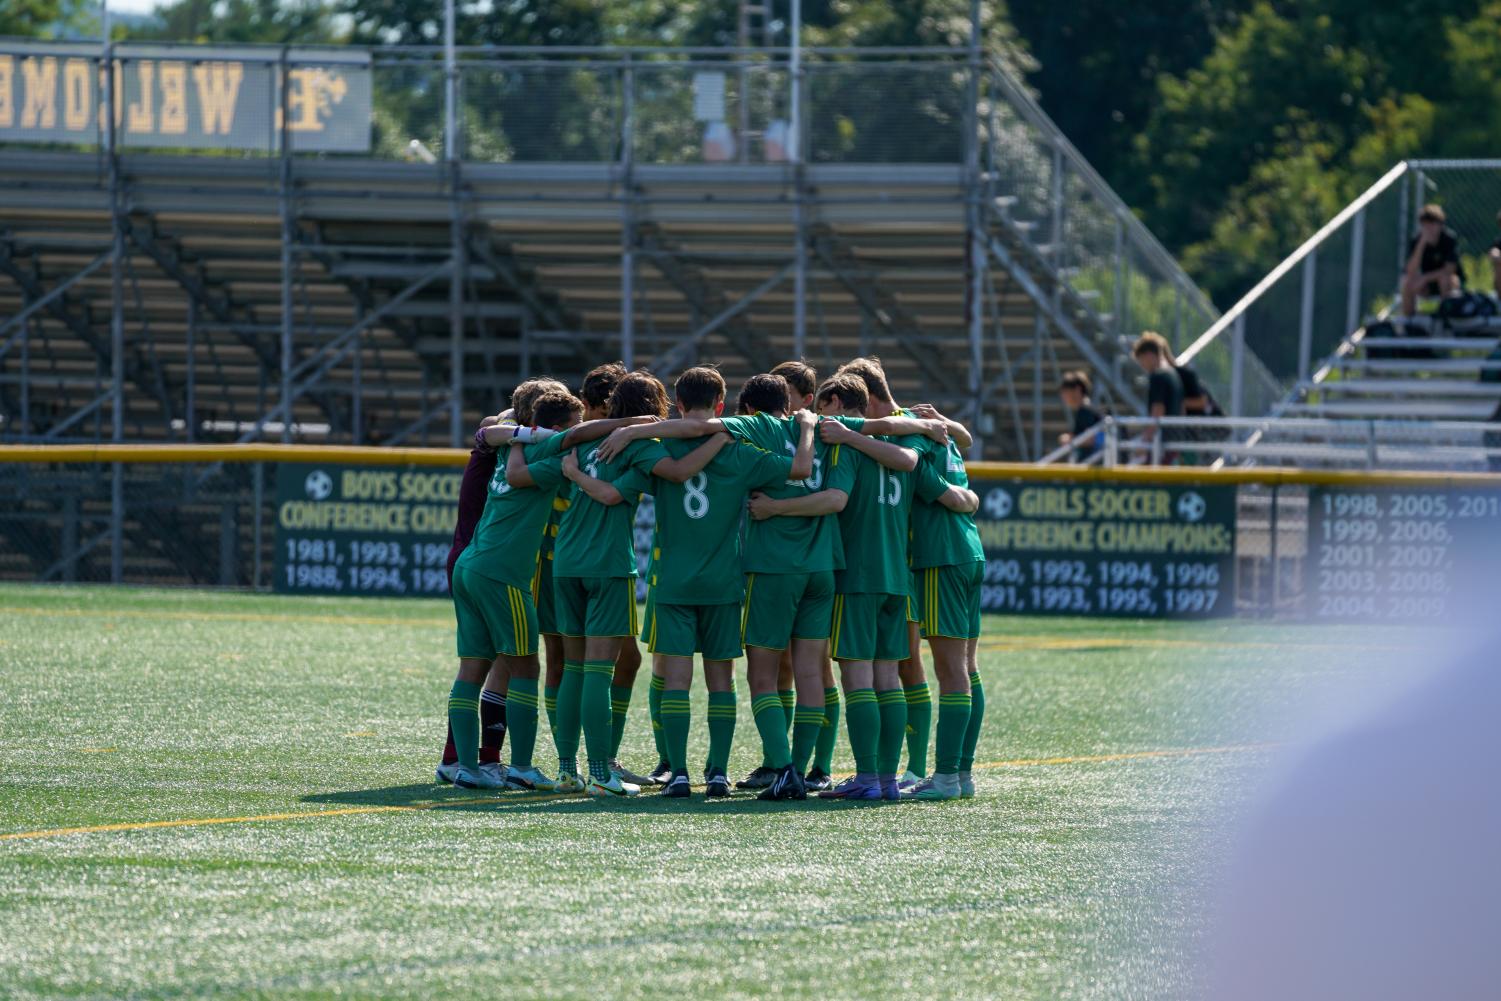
x: 1285, y: 441
x: 1299, y: 317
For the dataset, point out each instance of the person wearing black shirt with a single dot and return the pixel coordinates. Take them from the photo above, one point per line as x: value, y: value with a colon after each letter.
x: 1164, y: 386
x: 1074, y: 390
x: 1433, y: 265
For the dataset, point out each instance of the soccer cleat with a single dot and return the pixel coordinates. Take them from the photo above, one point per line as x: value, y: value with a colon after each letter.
x: 908, y: 780
x: 758, y: 779
x: 447, y: 771
x: 716, y: 785
x: 817, y: 780
x: 612, y: 788
x: 852, y: 788
x: 890, y: 791
x: 677, y: 787
x: 467, y: 778
x: 568, y: 783
x: 660, y: 774
x: 788, y: 784
x: 966, y: 786
x: 937, y: 788
x: 529, y: 779
x: 495, y: 770
x: 629, y: 776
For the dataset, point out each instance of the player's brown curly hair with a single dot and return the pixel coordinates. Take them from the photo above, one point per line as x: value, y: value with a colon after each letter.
x: 524, y: 398
x: 600, y: 383
x: 557, y: 408
x: 765, y: 392
x: 869, y: 371
x: 637, y: 395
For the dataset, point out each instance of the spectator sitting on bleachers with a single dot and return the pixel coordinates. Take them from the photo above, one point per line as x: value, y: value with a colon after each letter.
x: 1495, y: 256
x: 1074, y: 389
x: 1164, y: 387
x: 1433, y: 264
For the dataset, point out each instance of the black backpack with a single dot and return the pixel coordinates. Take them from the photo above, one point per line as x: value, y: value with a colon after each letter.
x: 1386, y: 330
x: 1466, y: 306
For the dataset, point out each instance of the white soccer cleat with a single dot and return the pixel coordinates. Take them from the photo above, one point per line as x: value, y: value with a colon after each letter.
x: 626, y: 775
x: 966, y: 786
x: 908, y: 780
x: 467, y: 778
x: 612, y: 788
x: 495, y: 770
x: 446, y: 772
x: 568, y: 783
x: 529, y: 779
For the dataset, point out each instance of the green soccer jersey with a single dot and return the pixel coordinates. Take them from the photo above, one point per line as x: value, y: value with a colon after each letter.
x: 598, y: 540
x: 696, y: 551
x: 509, y: 533
x: 941, y: 537
x: 875, y: 524
x: 793, y: 545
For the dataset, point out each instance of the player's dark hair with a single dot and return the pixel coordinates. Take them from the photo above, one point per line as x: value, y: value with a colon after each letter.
x: 869, y: 371
x: 1077, y: 379
x: 637, y: 395
x: 601, y: 382
x: 847, y: 389
x: 556, y: 408
x: 799, y: 375
x: 698, y: 388
x: 524, y: 398
x: 1151, y: 342
x: 766, y: 392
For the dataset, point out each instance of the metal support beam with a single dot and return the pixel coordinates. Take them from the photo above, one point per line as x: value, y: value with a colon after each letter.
x: 458, y: 273
x: 19, y: 320
x: 1237, y: 366
x: 1305, y: 315
x: 1357, y: 274
x: 628, y: 217
x: 284, y: 198
x: 669, y: 360
x: 1045, y: 305
x: 975, y: 244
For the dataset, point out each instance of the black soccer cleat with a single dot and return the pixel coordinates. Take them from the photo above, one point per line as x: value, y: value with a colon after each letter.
x: 761, y: 778
x: 788, y: 784
x: 678, y: 786
x: 661, y: 774
x: 716, y: 785
x: 818, y: 780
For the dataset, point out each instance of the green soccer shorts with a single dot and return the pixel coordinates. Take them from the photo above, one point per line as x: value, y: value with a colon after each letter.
x: 870, y: 627
x: 683, y: 630
x: 913, y: 601
x: 542, y: 594
x: 949, y: 600
x: 493, y: 618
x: 595, y: 606
x: 781, y: 607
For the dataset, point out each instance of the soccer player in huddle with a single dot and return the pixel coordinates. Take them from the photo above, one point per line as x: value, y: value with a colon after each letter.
x: 472, y: 494
x: 496, y: 618
x: 594, y: 574
x: 694, y: 605
x: 915, y: 689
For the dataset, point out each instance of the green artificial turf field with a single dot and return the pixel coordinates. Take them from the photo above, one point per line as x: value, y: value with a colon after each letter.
x: 249, y: 780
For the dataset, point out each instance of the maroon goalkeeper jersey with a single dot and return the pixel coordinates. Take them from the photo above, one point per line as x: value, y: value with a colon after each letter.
x: 472, y: 496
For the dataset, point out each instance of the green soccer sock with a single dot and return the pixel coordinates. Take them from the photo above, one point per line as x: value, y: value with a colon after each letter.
x: 823, y: 751
x: 594, y: 714
x: 721, y: 730
x: 570, y: 703
x: 807, y: 724
x: 953, y: 721
x: 463, y: 717
x: 654, y: 709
x: 521, y: 720
x: 892, y: 704
x: 676, y: 719
x: 550, y: 701
x: 788, y: 699
x: 863, y: 718
x: 919, y: 726
x: 771, y: 723
x: 976, y: 717
x: 620, y: 707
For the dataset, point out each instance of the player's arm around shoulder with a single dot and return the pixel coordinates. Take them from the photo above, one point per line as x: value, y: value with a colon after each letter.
x: 602, y: 492
x: 690, y: 465
x: 682, y: 427
x: 835, y: 431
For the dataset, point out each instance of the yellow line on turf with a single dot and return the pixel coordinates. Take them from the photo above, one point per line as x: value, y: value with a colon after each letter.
x: 1001, y: 644
x: 184, y: 616
x: 351, y: 811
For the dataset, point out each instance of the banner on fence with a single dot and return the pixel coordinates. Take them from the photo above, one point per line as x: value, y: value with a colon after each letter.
x: 366, y: 530
x: 1107, y: 549
x: 198, y: 98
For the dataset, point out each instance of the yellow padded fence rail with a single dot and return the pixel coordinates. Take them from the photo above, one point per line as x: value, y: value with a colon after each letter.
x: 374, y: 455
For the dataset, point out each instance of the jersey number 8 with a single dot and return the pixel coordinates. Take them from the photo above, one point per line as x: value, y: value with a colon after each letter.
x: 696, y: 496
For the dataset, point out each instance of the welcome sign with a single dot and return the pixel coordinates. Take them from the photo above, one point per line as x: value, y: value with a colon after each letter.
x: 198, y: 98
